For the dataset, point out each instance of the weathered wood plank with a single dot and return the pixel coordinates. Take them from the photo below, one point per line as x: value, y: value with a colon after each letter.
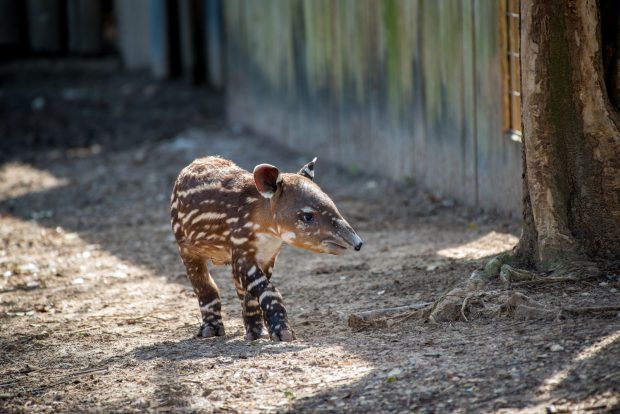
x: 159, y: 53
x: 11, y: 23
x: 214, y: 43
x: 84, y: 24
x: 133, y: 20
x: 499, y: 166
x: 44, y: 31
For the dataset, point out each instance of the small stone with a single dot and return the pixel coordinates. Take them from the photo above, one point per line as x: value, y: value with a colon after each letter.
x: 28, y: 268
x: 395, y: 373
x: 556, y: 348
x: 613, y: 290
x: 447, y: 203
x: 140, y: 403
x: 78, y: 281
x: 33, y: 284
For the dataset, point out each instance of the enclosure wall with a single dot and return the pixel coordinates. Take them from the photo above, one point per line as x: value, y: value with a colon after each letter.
x: 407, y: 89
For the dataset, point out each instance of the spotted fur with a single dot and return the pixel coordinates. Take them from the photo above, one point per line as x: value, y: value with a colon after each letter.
x: 224, y: 214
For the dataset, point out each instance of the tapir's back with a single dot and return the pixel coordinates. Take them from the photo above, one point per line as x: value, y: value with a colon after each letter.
x: 206, y: 194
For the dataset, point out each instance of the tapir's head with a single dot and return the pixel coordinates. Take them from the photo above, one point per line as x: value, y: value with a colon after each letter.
x: 305, y: 216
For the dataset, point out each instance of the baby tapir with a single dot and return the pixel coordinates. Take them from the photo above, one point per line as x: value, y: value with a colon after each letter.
x: 221, y: 212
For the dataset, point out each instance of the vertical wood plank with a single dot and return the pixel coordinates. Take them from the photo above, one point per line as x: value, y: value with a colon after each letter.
x: 44, y: 31
x: 214, y: 43
x: 133, y: 22
x: 469, y: 104
x: 498, y: 157
x: 84, y: 24
x: 159, y: 56
x: 11, y: 23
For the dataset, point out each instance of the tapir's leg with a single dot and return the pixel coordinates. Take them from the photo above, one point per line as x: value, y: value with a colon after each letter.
x: 268, y: 269
x: 260, y: 287
x: 252, y: 313
x: 208, y: 296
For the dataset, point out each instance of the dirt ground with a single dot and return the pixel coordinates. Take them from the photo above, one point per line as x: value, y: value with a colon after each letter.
x: 97, y: 315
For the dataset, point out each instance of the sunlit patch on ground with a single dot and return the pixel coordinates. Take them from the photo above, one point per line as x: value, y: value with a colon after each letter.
x: 490, y: 244
x: 17, y: 179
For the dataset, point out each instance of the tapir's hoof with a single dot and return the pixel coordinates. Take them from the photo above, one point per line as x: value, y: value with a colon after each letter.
x: 284, y: 335
x: 209, y: 331
x: 253, y: 336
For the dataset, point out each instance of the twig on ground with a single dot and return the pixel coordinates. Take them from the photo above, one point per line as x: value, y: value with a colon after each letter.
x: 362, y: 319
x: 71, y: 375
x: 133, y: 318
x: 90, y: 328
x: 464, y: 306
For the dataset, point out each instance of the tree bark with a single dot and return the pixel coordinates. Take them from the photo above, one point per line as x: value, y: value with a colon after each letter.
x: 571, y: 144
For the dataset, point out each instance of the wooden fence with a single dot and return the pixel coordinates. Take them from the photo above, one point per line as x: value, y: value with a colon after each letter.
x: 423, y: 90
x: 404, y: 88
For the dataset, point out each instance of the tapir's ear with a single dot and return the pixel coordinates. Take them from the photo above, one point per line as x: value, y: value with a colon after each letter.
x: 267, y: 177
x: 308, y: 169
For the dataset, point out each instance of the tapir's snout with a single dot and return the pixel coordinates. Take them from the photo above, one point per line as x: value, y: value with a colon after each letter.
x: 358, y: 245
x: 351, y: 237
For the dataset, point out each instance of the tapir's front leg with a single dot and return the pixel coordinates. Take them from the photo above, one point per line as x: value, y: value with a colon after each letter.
x: 256, y: 283
x: 252, y: 313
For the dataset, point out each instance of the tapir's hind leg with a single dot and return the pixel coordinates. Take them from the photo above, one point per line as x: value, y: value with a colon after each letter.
x: 208, y: 296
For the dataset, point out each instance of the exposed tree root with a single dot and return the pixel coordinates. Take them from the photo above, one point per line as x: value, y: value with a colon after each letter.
x: 473, y: 299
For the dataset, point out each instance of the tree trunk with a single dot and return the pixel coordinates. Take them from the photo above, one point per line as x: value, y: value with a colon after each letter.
x: 571, y: 144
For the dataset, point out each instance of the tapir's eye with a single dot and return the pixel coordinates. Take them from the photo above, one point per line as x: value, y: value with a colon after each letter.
x: 307, y: 217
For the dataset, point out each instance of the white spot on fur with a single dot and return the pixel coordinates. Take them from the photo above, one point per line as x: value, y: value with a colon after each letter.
x: 256, y: 282
x: 269, y: 294
x: 190, y: 215
x: 208, y: 216
x: 248, y: 224
x: 288, y: 236
x: 226, y: 233
x: 232, y: 220
x: 308, y: 209
x: 250, y: 200
x: 252, y: 271
x: 203, y: 187
x: 201, y: 234
x: 209, y: 306
x: 239, y: 240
